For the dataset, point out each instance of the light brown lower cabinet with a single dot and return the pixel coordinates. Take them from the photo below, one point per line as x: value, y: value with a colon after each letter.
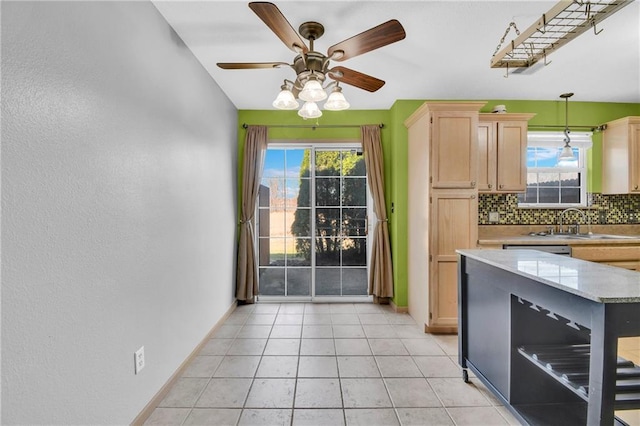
x: 620, y: 255
x: 454, y: 216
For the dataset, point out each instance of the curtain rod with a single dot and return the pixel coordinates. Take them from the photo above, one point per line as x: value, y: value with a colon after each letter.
x: 559, y: 126
x: 316, y: 126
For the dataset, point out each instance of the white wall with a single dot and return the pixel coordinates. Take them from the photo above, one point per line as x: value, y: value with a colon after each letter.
x: 118, y: 208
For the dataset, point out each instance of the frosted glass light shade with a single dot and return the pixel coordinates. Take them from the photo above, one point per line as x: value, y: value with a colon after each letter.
x: 285, y: 100
x: 312, y: 92
x: 567, y: 153
x: 310, y: 110
x: 336, y: 101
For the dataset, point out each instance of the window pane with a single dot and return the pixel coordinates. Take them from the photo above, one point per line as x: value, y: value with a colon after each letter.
x: 303, y: 192
x: 272, y: 251
x: 328, y: 222
x: 298, y: 281
x: 354, y: 222
x: 354, y: 251
x: 299, y: 252
x: 272, y: 281
x: 354, y: 281
x: 327, y: 191
x: 548, y: 195
x: 298, y: 223
x: 327, y: 163
x: 570, y: 179
x: 328, y: 251
x: 354, y: 192
x: 548, y: 179
x: 273, y: 163
x: 570, y: 195
x: 328, y: 282
x: 353, y: 164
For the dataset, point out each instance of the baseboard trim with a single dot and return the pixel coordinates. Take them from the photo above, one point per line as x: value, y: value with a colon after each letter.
x: 399, y: 309
x: 159, y: 396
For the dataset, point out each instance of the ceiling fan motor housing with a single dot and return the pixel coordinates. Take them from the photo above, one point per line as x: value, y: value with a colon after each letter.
x: 315, y: 64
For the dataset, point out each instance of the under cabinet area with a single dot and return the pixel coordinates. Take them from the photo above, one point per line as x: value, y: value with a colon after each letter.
x: 622, y: 256
x: 502, y: 152
x: 621, y: 156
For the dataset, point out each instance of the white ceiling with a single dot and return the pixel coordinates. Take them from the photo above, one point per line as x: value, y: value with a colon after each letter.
x: 445, y: 54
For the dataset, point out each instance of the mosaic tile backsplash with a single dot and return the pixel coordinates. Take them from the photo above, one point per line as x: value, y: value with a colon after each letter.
x: 602, y: 210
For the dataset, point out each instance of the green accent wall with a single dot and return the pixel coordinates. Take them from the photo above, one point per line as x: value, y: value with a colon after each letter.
x: 395, y: 148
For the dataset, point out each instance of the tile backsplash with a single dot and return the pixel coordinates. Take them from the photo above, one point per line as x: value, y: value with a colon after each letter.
x: 603, y: 210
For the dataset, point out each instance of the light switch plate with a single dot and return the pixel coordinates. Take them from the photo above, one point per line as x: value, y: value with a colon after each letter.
x: 139, y: 359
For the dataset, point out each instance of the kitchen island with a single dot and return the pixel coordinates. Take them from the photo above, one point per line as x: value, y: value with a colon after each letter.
x: 541, y: 332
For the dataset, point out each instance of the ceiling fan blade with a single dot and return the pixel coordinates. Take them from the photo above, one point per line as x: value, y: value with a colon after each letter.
x: 355, y: 78
x: 276, y: 21
x: 374, y: 38
x: 249, y: 65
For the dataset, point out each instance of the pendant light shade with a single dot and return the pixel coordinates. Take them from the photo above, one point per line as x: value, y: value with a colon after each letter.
x: 310, y: 110
x: 312, y: 91
x: 336, y: 101
x: 285, y: 99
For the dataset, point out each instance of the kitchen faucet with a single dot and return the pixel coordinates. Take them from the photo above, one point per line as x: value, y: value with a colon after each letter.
x: 584, y: 218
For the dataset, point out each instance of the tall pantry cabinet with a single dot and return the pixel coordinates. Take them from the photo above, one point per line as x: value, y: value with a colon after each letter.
x: 443, y: 207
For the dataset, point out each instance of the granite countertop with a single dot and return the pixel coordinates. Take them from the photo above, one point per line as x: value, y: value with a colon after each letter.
x: 593, y: 281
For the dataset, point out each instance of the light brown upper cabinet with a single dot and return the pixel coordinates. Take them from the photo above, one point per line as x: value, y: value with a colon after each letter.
x: 502, y: 152
x: 621, y: 157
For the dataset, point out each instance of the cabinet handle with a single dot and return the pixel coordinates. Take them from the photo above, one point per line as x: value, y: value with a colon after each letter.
x: 473, y: 184
x: 635, y: 187
x: 501, y: 186
x: 473, y: 197
x: 490, y: 186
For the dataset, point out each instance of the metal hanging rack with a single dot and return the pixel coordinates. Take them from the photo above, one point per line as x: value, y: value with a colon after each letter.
x: 314, y: 126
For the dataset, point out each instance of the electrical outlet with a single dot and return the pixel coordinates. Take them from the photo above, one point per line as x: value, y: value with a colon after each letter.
x: 494, y: 217
x: 138, y: 358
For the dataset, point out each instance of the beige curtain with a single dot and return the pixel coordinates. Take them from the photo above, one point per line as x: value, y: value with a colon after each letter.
x: 255, y: 146
x: 381, y: 276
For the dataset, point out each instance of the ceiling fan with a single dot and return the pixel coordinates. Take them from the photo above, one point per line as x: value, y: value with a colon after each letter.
x: 313, y: 67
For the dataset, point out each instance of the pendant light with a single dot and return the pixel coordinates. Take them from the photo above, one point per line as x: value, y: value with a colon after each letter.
x: 567, y: 151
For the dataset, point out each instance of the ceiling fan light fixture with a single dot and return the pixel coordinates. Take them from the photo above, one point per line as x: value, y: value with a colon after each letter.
x: 285, y: 100
x: 310, y: 110
x: 336, y: 101
x: 312, y: 91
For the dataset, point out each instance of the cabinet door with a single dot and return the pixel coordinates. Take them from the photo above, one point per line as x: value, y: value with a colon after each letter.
x: 634, y: 158
x: 512, y: 156
x: 486, y: 157
x: 454, y: 216
x: 454, y: 138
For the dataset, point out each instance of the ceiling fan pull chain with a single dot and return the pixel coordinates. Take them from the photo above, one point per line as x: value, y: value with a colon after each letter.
x: 511, y: 24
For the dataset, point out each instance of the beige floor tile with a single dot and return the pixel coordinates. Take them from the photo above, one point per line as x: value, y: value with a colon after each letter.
x: 345, y: 319
x: 263, y: 417
x: 286, y: 332
x: 266, y: 308
x: 342, y: 308
x: 379, y: 331
x: 247, y: 347
x: 410, y: 331
x: 456, y: 393
x: 317, y: 319
x: 249, y: 331
x: 346, y: 331
x: 318, y: 417
x: 424, y: 416
x: 167, y: 416
x: 278, y: 367
x: 317, y: 308
x: 473, y: 416
x: 282, y: 347
x: 411, y: 393
x: 511, y: 420
x: 437, y: 366
x: 352, y: 347
x: 387, y: 347
x: 378, y: 318
x: 368, y: 308
x: 227, y: 331
x: 203, y: 366
x: 318, y: 393
x: 357, y: 366
x: 449, y: 344
x: 213, y: 417
x: 216, y: 347
x: 292, y: 308
x: 368, y: 417
x: 324, y: 347
x: 224, y: 393
x: 184, y: 393
x: 396, y: 318
x: 237, y: 366
x: 398, y: 366
x: 364, y: 393
x: 289, y: 319
x: 317, y: 366
x: 422, y: 347
x: 317, y: 332
x: 261, y: 319
x: 271, y: 393
x: 237, y: 318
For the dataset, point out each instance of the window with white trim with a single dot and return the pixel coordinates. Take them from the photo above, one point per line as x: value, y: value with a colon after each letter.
x: 551, y: 181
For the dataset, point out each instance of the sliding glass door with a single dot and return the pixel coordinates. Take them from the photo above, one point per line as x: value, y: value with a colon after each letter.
x: 312, y: 223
